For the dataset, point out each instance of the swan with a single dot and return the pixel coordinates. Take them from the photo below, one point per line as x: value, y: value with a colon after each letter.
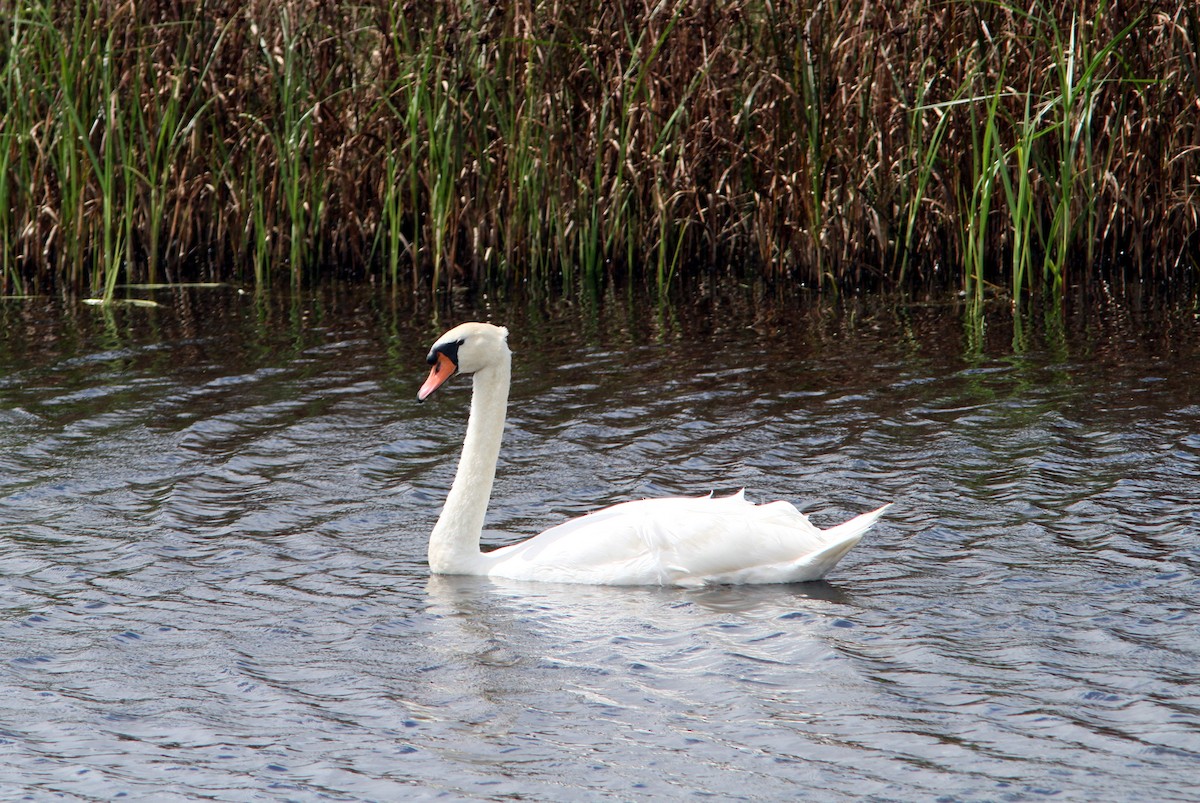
x: 673, y: 541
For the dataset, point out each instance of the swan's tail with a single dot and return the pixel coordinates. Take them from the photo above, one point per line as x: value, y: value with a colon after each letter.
x: 855, y: 527
x: 839, y: 540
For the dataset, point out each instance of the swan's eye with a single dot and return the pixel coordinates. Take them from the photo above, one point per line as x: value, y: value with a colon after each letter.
x: 449, y: 349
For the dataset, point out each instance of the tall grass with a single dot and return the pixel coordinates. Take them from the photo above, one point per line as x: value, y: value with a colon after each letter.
x: 438, y: 144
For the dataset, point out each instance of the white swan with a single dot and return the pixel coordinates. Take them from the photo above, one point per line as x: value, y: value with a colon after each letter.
x: 681, y: 541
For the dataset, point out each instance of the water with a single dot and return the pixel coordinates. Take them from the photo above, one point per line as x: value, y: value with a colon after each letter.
x: 213, y: 519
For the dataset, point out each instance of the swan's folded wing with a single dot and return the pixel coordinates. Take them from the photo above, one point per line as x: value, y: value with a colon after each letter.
x: 681, y: 541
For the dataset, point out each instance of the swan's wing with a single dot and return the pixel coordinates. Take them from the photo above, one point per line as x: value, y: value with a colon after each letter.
x: 680, y: 541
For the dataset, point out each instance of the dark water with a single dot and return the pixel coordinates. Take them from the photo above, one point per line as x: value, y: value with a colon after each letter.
x: 212, y: 533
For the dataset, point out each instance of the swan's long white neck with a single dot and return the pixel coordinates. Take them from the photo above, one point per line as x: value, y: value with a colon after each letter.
x: 454, y: 543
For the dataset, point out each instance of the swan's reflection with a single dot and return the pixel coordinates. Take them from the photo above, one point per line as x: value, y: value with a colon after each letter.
x: 472, y: 596
x: 511, y: 656
x: 507, y: 623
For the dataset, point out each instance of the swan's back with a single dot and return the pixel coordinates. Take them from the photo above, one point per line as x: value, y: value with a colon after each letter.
x: 682, y: 541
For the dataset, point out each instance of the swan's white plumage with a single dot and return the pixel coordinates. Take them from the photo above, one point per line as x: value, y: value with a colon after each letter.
x: 682, y: 541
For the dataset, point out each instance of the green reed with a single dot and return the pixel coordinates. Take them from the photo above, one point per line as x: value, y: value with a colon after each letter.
x: 1081, y: 69
x: 291, y: 136
x: 921, y: 153
x: 986, y: 164
x: 391, y: 231
x: 400, y: 191
x: 1016, y: 177
x: 13, y: 159
x: 440, y: 144
x: 112, y: 175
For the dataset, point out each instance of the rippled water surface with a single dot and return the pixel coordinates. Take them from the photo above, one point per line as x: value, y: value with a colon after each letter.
x: 213, y: 519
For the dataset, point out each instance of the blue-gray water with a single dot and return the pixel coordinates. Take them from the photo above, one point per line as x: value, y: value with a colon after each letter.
x: 213, y: 518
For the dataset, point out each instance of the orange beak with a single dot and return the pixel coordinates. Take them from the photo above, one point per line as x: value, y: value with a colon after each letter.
x: 442, y: 370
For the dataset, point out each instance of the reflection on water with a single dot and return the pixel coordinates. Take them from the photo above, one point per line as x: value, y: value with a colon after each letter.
x: 213, y: 518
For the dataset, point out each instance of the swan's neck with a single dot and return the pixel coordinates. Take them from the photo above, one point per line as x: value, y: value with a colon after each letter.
x: 454, y: 543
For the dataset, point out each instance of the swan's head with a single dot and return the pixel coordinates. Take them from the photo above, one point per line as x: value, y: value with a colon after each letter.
x: 467, y: 348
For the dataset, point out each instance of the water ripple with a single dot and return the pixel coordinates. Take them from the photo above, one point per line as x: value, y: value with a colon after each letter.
x: 214, y: 580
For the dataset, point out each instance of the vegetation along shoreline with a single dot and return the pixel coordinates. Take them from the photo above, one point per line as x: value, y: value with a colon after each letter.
x: 443, y: 144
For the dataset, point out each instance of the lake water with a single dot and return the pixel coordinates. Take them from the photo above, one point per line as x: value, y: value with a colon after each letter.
x: 213, y: 519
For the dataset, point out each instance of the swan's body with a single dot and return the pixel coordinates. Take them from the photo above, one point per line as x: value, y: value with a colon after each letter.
x: 683, y: 541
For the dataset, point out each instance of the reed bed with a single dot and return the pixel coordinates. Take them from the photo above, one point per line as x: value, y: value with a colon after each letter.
x: 556, y: 143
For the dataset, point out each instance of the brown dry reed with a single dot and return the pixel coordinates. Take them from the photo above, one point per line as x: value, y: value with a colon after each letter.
x: 431, y: 144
